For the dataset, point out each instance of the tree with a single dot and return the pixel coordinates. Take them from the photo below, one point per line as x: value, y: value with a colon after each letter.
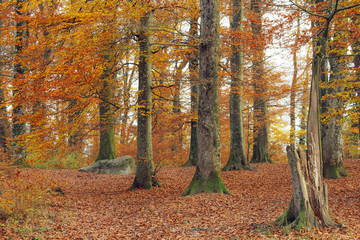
x: 237, y: 158
x: 107, y: 121
x: 293, y: 88
x: 5, y: 133
x: 332, y: 161
x: 145, y: 167
x: 309, y: 204
x: 193, y: 72
x: 332, y: 152
x: 261, y: 142
x: 106, y: 109
x: 356, y: 51
x: 18, y: 124
x: 207, y: 177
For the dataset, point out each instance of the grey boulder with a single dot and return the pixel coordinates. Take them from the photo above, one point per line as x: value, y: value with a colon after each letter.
x: 123, y: 165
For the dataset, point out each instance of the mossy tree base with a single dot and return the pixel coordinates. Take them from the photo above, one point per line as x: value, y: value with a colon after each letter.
x: 335, y: 172
x: 260, y: 154
x: 154, y: 182
x: 237, y: 165
x: 201, y: 184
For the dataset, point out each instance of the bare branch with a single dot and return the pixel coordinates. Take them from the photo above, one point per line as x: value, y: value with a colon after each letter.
x: 307, y: 11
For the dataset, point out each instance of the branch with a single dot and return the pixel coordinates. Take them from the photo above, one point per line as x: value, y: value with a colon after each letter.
x: 307, y: 11
x: 348, y: 7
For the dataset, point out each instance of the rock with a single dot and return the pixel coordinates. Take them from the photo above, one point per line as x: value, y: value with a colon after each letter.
x: 123, y: 165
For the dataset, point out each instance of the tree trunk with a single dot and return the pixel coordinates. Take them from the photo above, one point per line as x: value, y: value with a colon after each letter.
x: 107, y: 122
x: 207, y: 177
x: 5, y: 133
x: 193, y: 71
x: 303, y: 111
x: 18, y: 124
x: 74, y: 131
x: 145, y: 167
x: 293, y: 89
x: 261, y: 142
x: 237, y: 159
x: 332, y: 154
x: 356, y: 52
x: 309, y: 204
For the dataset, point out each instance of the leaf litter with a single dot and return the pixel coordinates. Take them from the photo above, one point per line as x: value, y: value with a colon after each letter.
x: 99, y: 206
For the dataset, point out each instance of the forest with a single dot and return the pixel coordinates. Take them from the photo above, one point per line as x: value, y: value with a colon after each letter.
x: 242, y: 116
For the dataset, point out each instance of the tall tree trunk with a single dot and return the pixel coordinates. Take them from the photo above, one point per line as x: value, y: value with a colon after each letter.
x: 207, y: 176
x: 237, y: 159
x: 193, y: 72
x: 293, y: 89
x: 177, y: 133
x: 18, y: 124
x: 303, y: 111
x: 145, y: 167
x: 332, y: 154
x: 356, y: 52
x: 261, y: 142
x: 39, y: 107
x: 74, y: 132
x: 107, y: 121
x: 126, y: 102
x: 5, y: 133
x: 178, y: 77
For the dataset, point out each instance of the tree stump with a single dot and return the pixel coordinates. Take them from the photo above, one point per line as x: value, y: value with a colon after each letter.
x: 309, y: 205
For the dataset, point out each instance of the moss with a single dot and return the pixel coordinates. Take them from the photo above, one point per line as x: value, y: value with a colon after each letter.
x: 332, y: 172
x: 335, y: 172
x: 303, y: 219
x: 235, y: 166
x: 212, y: 184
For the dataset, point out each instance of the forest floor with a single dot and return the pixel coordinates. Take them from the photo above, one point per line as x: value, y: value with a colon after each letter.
x: 98, y: 206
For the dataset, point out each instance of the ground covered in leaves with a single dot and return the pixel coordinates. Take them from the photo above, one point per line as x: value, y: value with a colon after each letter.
x: 98, y: 206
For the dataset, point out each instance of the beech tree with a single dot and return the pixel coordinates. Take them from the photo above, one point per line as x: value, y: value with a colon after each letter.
x: 332, y: 152
x: 261, y: 142
x: 193, y: 72
x: 294, y: 86
x: 145, y: 166
x: 106, y: 113
x: 237, y: 158
x: 18, y: 124
x: 356, y: 51
x: 106, y: 109
x: 207, y: 177
x: 5, y: 128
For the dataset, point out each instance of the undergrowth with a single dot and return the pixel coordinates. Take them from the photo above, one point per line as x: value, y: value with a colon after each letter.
x: 25, y: 196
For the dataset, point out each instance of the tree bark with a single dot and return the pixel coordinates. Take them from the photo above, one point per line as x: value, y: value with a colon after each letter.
x: 193, y: 71
x: 356, y: 52
x: 107, y: 122
x: 5, y: 133
x: 237, y: 158
x: 144, y: 177
x: 293, y: 89
x: 18, y: 124
x: 207, y: 176
x: 261, y: 142
x: 332, y: 154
